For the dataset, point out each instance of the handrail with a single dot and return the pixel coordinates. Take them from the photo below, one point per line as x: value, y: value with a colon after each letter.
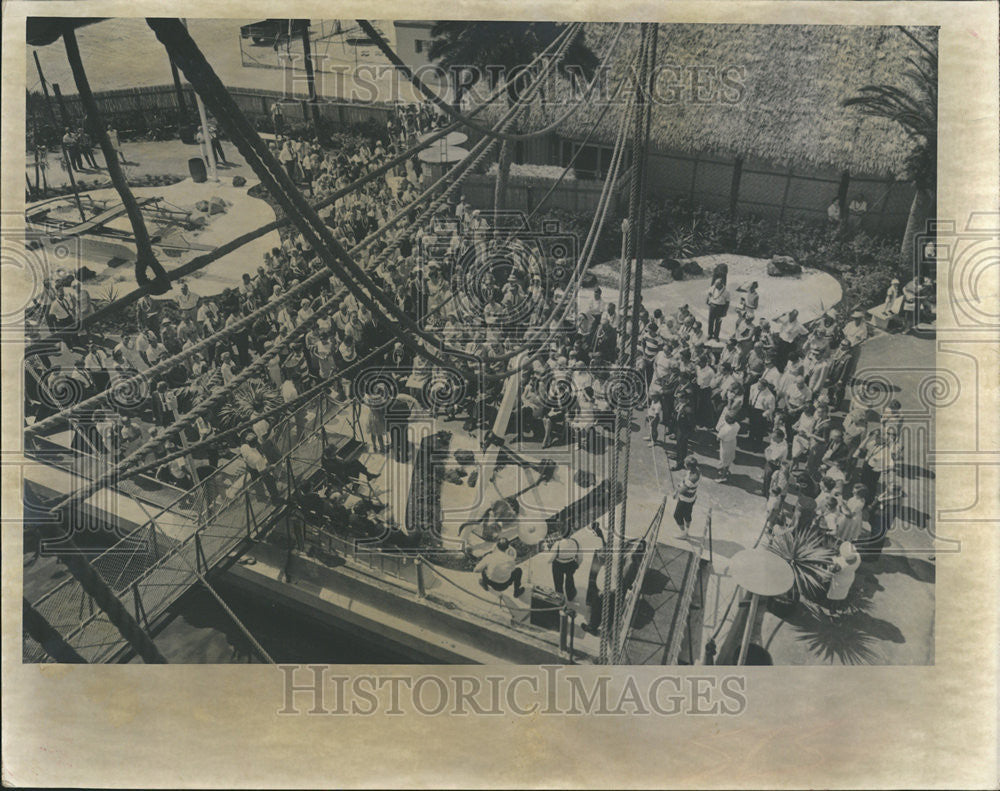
x: 204, y: 520
x: 650, y: 537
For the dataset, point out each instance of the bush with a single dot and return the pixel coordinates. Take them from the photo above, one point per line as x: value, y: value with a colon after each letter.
x: 864, y: 264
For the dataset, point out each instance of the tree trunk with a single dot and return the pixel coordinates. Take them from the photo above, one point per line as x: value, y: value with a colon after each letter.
x: 916, y: 224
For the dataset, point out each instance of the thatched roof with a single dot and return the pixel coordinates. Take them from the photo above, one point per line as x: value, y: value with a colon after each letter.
x: 796, y: 77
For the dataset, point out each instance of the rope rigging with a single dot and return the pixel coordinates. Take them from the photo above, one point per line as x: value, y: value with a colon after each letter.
x: 197, y: 70
x: 466, y: 120
x: 316, y: 279
x: 123, y: 472
x: 629, y: 299
x: 202, y: 261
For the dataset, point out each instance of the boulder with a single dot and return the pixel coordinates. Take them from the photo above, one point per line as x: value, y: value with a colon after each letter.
x: 202, y: 206
x: 239, y: 181
x: 216, y: 205
x: 692, y: 268
x: 783, y: 266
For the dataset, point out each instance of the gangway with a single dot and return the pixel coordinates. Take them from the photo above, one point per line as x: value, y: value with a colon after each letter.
x: 155, y: 564
x: 655, y: 634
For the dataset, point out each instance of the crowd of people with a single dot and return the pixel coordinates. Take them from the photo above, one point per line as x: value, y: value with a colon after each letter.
x: 779, y: 385
x: 775, y: 383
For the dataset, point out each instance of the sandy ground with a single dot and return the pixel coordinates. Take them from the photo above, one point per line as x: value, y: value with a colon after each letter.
x: 243, y: 213
x: 813, y: 292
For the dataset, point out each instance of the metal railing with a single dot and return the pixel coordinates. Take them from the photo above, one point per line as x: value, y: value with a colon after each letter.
x: 150, y: 568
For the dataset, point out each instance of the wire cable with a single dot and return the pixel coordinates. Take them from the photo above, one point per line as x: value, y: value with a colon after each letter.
x: 467, y: 120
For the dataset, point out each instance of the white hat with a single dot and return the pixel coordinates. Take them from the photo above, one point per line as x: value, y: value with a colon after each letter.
x: 847, y: 551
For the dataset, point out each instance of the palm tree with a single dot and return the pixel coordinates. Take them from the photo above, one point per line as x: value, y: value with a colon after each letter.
x: 914, y: 108
x: 250, y: 399
x: 497, y: 50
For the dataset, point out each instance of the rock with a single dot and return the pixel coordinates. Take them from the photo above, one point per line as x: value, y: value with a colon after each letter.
x: 692, y: 267
x: 239, y: 181
x: 216, y: 206
x: 783, y: 266
x: 202, y: 206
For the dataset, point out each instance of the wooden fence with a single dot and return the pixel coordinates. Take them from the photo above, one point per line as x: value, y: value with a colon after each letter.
x: 159, y: 104
x: 762, y: 188
x: 526, y: 193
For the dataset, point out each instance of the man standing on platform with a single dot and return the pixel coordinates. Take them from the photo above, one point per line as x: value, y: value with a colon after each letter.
x: 497, y: 569
x: 565, y: 559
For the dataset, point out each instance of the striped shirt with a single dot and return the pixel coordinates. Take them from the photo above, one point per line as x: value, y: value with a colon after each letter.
x: 650, y: 346
x: 688, y: 490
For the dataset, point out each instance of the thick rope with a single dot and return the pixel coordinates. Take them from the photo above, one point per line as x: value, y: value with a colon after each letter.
x: 144, y: 259
x: 177, y: 40
x: 202, y: 261
x: 466, y: 120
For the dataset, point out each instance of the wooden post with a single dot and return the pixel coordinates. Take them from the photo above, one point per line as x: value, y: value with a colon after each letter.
x: 421, y: 590
x: 66, y: 159
x: 310, y: 77
x: 64, y: 114
x: 748, y: 630
x: 145, y: 259
x: 694, y: 177
x: 45, y: 91
x: 734, y: 186
x: 181, y: 104
x: 885, y: 203
x: 845, y: 183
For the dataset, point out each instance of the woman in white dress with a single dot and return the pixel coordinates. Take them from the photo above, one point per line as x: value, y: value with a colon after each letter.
x: 845, y: 566
x: 727, y: 430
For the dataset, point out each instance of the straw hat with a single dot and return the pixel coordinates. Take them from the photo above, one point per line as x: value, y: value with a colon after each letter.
x: 848, y: 553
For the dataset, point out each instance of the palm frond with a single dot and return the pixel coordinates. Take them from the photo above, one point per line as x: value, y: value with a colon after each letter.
x: 809, y: 557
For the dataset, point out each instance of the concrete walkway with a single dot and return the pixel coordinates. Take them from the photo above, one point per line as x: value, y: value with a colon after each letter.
x: 893, y: 618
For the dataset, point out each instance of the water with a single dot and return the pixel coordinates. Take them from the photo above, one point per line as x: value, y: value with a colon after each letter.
x: 200, y: 631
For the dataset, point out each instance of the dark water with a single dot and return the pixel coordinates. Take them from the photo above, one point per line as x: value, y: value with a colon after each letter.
x: 199, y: 631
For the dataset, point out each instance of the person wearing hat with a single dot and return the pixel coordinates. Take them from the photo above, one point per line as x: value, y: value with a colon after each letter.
x: 684, y: 421
x: 892, y: 303
x: 841, y: 371
x: 843, y: 569
x: 856, y: 330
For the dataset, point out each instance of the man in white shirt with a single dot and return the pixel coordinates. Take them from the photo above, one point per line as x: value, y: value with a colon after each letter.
x: 187, y: 303
x: 774, y: 456
x: 256, y: 464
x: 789, y: 332
x: 498, y: 569
x: 856, y: 330
x: 762, y: 404
x: 565, y: 559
